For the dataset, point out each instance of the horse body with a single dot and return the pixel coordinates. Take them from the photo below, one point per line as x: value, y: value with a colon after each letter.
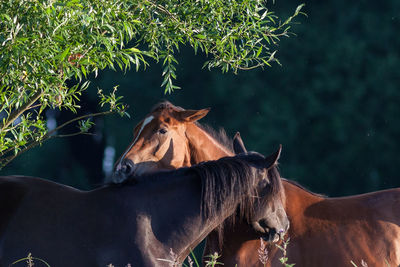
x: 323, y: 231
x: 330, y: 231
x: 138, y: 222
x: 51, y: 221
x: 65, y: 226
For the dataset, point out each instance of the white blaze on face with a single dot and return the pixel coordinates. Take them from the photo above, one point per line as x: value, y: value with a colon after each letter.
x: 145, y: 122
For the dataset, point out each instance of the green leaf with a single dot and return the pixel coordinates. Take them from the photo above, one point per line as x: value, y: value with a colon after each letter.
x: 298, y: 9
x: 200, y: 36
x: 134, y: 50
x: 259, y: 51
x: 83, y: 70
x: 62, y: 56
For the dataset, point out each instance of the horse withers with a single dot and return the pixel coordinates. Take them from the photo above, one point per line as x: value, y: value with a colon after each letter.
x: 323, y: 231
x: 139, y: 221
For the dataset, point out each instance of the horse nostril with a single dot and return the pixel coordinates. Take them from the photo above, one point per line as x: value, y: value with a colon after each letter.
x: 261, y: 226
x: 263, y: 223
x: 127, y: 167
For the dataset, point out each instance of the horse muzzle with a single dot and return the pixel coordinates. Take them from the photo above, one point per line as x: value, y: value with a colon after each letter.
x: 123, y: 171
x: 270, y: 234
x: 274, y: 236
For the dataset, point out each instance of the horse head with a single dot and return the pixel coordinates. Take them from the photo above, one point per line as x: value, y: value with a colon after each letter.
x: 159, y: 142
x: 269, y: 217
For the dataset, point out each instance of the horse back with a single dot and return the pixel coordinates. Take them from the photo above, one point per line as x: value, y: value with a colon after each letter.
x: 17, y: 191
x: 382, y: 205
x: 12, y: 192
x: 43, y: 218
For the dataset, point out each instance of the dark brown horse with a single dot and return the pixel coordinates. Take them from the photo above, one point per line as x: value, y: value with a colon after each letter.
x: 323, y: 231
x: 139, y: 221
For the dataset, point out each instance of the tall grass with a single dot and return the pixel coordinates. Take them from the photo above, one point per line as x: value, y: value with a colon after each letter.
x: 363, y: 264
x: 30, y: 261
x: 211, y: 260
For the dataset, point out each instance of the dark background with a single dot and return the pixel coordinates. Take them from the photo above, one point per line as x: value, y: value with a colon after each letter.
x: 334, y: 104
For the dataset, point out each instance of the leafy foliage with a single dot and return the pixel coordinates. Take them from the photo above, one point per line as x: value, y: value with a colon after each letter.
x: 333, y: 105
x: 284, y: 259
x: 213, y: 260
x: 44, y: 44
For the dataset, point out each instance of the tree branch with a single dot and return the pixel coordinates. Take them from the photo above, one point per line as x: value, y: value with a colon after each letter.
x: 33, y: 143
x: 77, y: 119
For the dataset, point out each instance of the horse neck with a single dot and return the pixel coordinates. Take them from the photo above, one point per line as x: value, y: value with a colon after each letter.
x: 167, y: 220
x: 203, y: 146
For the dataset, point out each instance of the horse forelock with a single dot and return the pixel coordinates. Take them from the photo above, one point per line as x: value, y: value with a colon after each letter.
x: 165, y: 105
x: 274, y: 190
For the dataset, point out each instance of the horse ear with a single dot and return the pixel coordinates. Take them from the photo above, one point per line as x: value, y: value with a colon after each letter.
x: 191, y: 115
x: 238, y: 145
x: 272, y: 159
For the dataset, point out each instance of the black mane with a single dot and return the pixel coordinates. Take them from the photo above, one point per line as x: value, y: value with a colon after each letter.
x: 232, y: 182
x: 229, y: 179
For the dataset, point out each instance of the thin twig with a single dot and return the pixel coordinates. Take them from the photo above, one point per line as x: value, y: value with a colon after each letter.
x: 5, y: 161
x: 77, y: 119
x: 250, y: 68
x: 14, y: 115
x: 35, y: 106
x: 69, y: 135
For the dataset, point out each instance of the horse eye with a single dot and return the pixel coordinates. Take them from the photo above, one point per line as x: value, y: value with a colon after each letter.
x: 162, y: 131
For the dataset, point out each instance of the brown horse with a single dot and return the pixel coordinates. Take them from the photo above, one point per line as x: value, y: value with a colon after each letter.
x: 139, y: 221
x: 323, y: 231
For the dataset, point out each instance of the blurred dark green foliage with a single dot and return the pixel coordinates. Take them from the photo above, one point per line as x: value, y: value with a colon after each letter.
x: 334, y: 104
